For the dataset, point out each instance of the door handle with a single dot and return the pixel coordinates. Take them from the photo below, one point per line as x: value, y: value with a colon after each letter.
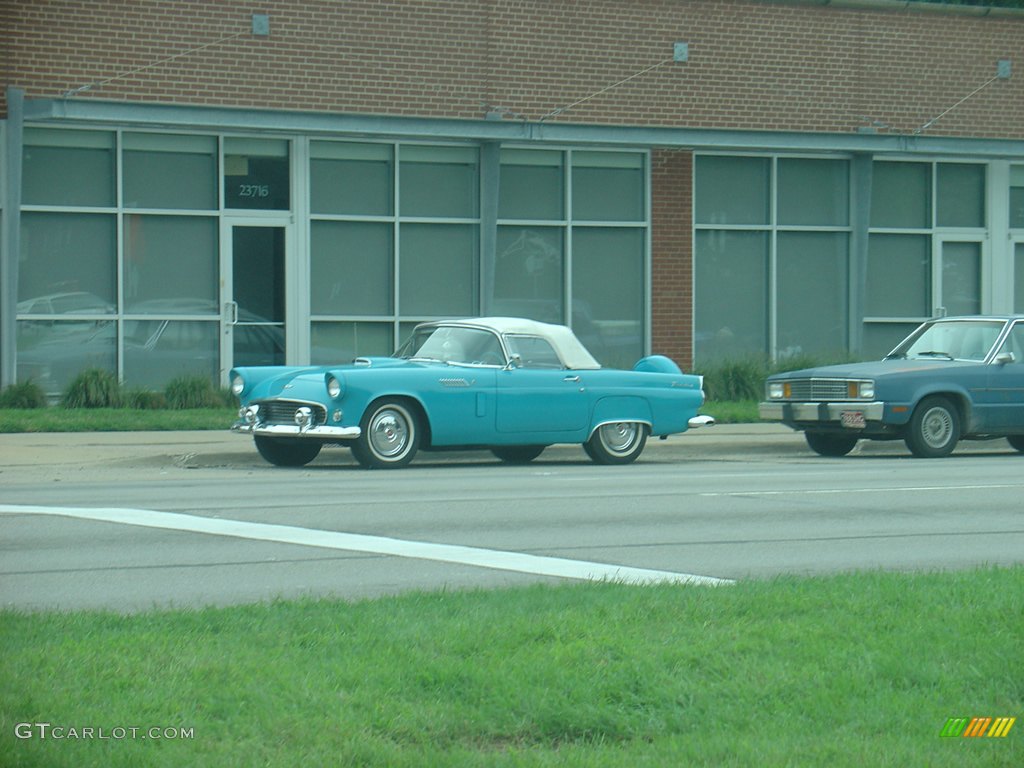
x: 231, y: 310
x: 571, y: 378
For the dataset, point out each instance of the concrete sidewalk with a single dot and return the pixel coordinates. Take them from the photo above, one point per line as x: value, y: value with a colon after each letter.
x: 104, y: 448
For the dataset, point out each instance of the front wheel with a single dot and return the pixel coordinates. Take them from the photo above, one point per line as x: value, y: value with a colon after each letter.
x: 390, y: 435
x: 287, y: 451
x: 518, y: 454
x: 825, y: 444
x: 934, y: 428
x: 618, y: 443
x: 1016, y: 441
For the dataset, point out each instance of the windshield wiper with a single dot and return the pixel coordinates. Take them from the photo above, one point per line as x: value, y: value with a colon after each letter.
x: 896, y: 356
x: 934, y: 354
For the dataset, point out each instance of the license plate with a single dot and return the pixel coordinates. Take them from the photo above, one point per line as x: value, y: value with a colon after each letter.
x: 852, y: 419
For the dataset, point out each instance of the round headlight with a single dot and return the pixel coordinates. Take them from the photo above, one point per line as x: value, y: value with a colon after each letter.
x: 333, y: 386
x: 237, y: 385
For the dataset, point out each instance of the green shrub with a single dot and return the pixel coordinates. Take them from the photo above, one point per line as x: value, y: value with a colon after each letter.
x: 93, y: 388
x: 737, y: 379
x: 28, y: 394
x: 144, y: 399
x: 192, y: 392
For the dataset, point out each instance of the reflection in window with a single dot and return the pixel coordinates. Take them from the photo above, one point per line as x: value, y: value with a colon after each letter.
x: 351, y: 268
x: 731, y: 271
x: 438, y: 270
x: 353, y: 179
x: 811, y: 276
x: 901, y: 195
x: 336, y: 343
x: 960, y: 192
x: 439, y: 181
x: 1018, y: 278
x: 68, y: 253
x: 529, y: 274
x: 157, y: 351
x: 899, y: 276
x: 52, y: 352
x: 961, y: 278
x: 608, y: 293
x: 72, y: 168
x: 733, y: 190
x: 166, y: 171
x: 532, y: 185
x: 608, y: 186
x: 170, y: 264
x: 1017, y: 196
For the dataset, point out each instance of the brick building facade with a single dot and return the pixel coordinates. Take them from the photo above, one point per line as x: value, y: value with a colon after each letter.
x: 786, y: 149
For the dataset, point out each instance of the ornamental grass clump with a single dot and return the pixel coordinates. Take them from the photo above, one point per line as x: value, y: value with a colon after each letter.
x: 27, y: 394
x: 93, y: 388
x: 192, y: 392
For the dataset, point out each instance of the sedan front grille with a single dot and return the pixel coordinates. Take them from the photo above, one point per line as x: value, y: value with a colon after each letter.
x: 283, y: 412
x: 812, y: 390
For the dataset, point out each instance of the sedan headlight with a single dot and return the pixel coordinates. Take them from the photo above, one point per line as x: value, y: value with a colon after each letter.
x: 866, y: 390
x: 334, y: 388
x: 237, y: 385
x: 776, y: 390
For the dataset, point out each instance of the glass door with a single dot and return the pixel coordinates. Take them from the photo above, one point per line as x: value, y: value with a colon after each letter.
x: 255, y: 259
x: 1018, y: 275
x: 957, y: 276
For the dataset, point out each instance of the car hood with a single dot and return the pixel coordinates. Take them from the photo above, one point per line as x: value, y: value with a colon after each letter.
x: 872, y: 370
x: 307, y: 382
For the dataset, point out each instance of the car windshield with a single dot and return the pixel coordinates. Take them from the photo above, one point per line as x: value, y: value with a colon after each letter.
x: 951, y: 340
x: 448, y: 344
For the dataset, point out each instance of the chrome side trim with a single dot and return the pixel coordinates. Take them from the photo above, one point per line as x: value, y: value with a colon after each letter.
x: 289, y: 430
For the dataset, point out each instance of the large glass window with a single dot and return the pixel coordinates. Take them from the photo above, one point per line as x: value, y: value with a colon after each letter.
x: 1018, y: 278
x: 439, y: 182
x: 351, y: 179
x: 898, y: 276
x: 437, y: 269
x: 68, y: 168
x: 901, y: 195
x: 165, y: 171
x: 156, y: 351
x: 1017, y: 196
x: 351, y: 265
x: 960, y: 195
x: 67, y: 254
x: 608, y: 186
x: 341, y: 342
x: 529, y: 273
x: 52, y: 352
x: 771, y: 256
x: 170, y: 264
x: 532, y: 185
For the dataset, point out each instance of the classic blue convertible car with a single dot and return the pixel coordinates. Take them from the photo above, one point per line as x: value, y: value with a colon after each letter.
x: 513, y: 386
x: 953, y: 378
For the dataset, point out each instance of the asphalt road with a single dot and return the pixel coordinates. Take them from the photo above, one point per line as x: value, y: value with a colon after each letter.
x: 130, y: 521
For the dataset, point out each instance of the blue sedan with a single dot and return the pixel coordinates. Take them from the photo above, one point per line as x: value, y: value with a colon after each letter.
x: 953, y: 378
x: 510, y: 385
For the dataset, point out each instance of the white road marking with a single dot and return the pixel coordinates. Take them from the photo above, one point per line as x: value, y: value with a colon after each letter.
x: 381, y: 545
x: 818, y: 491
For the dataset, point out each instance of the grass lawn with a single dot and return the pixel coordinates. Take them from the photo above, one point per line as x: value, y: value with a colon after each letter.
x: 850, y: 670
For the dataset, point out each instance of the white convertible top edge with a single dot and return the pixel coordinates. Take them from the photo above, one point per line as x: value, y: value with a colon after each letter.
x: 569, y: 348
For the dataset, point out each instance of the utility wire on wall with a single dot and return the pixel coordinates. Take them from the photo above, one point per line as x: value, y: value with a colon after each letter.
x: 939, y: 116
x: 560, y: 110
x: 101, y: 83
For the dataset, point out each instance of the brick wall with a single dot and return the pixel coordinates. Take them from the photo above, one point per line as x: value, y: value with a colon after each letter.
x: 672, y: 255
x: 753, y: 65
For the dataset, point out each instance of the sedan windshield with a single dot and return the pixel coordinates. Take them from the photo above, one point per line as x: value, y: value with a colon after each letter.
x: 951, y: 340
x: 447, y: 344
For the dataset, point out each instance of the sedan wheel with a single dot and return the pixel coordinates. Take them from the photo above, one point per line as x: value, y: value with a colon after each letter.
x: 286, y: 451
x: 618, y: 443
x: 390, y: 436
x: 825, y: 444
x: 934, y: 428
x: 1016, y: 441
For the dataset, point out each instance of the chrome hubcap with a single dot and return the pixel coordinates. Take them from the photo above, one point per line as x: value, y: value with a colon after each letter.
x: 389, y: 433
x: 619, y: 437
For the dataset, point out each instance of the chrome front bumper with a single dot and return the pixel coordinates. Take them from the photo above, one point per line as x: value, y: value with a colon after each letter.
x: 289, y: 430
x: 822, y: 412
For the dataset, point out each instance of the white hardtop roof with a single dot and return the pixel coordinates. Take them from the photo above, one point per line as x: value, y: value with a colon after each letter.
x: 568, y: 347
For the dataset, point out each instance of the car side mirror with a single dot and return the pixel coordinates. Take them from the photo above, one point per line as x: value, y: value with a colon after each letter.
x: 1004, y: 358
x: 515, y: 361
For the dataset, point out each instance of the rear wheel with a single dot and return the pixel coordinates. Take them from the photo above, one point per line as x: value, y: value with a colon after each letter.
x: 618, y: 443
x: 934, y: 428
x: 287, y: 451
x: 1016, y: 441
x: 390, y: 435
x: 826, y: 444
x: 518, y: 454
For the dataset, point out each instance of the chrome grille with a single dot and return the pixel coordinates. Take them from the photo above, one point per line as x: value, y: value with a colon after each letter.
x: 283, y: 411
x: 810, y: 390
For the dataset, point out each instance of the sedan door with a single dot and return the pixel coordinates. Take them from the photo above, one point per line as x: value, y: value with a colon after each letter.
x: 1006, y: 386
x: 539, y: 400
